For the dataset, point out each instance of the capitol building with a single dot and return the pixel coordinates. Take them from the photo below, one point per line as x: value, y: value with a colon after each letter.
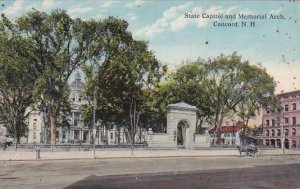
x: 74, y: 131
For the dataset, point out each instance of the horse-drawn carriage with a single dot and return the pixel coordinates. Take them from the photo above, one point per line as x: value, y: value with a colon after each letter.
x: 249, y: 150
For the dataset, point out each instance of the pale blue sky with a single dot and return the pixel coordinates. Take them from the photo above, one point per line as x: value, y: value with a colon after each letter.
x: 173, y: 38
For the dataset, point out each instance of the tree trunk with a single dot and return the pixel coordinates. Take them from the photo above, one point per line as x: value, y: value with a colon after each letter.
x: 119, y: 135
x: 15, y: 129
x: 106, y: 134
x: 132, y: 121
x: 52, y: 115
x: 18, y: 124
x: 219, y: 129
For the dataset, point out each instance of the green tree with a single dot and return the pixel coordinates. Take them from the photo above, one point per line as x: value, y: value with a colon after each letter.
x: 59, y: 45
x: 121, y: 82
x: 258, y: 93
x: 111, y: 40
x: 221, y: 88
x: 16, y: 80
x: 188, y: 84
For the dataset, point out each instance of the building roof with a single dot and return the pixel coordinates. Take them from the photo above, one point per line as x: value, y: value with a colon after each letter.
x: 182, y: 106
x: 288, y: 93
x: 228, y: 129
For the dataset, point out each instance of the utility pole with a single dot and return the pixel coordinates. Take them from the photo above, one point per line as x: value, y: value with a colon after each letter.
x: 233, y: 135
x: 283, y: 141
x: 281, y: 123
x: 94, y: 120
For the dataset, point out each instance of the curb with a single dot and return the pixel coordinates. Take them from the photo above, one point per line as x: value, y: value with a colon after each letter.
x: 148, y: 157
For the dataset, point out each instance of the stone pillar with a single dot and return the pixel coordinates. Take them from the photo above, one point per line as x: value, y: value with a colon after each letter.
x: 67, y: 135
x: 80, y: 135
x: 72, y: 135
x: 60, y: 139
x: 89, y: 136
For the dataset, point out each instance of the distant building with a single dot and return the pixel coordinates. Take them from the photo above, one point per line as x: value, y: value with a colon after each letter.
x: 286, y: 131
x: 36, y: 127
x: 3, y: 133
x: 75, y: 131
x: 230, y: 134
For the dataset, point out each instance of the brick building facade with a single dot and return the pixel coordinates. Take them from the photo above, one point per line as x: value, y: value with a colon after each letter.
x: 287, y: 130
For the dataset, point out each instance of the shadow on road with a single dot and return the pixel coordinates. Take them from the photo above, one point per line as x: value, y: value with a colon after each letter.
x: 275, y: 177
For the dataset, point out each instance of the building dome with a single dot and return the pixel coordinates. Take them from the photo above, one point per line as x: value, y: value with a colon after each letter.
x: 77, y: 84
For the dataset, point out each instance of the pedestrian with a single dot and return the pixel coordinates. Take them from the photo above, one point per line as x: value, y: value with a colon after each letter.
x: 5, y: 146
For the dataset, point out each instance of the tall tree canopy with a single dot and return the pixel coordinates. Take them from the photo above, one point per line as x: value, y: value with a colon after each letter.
x: 121, y: 83
x: 58, y: 46
x: 221, y: 88
x: 16, y: 80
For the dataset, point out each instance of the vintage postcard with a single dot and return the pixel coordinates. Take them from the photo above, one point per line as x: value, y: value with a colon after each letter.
x: 149, y: 94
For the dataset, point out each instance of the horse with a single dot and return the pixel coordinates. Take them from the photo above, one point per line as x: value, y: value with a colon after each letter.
x: 249, y: 150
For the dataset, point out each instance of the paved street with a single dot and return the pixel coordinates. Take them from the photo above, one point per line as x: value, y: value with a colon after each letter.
x: 179, y: 172
x: 275, y: 177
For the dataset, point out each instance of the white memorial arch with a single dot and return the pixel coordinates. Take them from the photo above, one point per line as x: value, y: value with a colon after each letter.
x: 181, y: 129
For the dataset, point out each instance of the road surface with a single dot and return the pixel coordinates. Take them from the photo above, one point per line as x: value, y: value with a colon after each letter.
x: 202, y: 172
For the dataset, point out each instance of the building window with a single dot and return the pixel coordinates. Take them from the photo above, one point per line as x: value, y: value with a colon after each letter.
x: 294, y: 132
x: 286, y: 107
x: 278, y: 143
x: 294, y: 106
x: 294, y: 143
x: 294, y: 120
x: 267, y: 142
x: 273, y: 133
x: 286, y: 132
x: 268, y: 123
x: 76, y: 120
x: 273, y: 122
x: 35, y: 119
x: 268, y: 111
x: 34, y: 126
x: 278, y: 132
x: 174, y: 134
x: 73, y: 98
x: 57, y: 135
x: 267, y: 133
x: 34, y: 135
x: 111, y: 135
x: 286, y: 121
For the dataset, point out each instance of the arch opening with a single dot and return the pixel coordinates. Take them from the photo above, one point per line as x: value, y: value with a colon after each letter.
x: 181, y: 132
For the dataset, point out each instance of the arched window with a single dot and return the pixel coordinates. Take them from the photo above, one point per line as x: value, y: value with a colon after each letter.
x: 267, y: 142
x: 273, y: 133
x: 267, y: 133
x: 294, y: 132
x: 34, y: 135
x: 294, y: 143
x: 286, y: 132
x: 34, y: 126
x: 278, y: 132
x: 278, y: 143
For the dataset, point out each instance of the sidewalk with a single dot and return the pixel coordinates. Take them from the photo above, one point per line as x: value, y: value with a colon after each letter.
x: 23, y: 155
